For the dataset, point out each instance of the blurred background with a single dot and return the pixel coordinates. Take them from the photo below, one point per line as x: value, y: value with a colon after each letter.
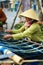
x: 13, y: 8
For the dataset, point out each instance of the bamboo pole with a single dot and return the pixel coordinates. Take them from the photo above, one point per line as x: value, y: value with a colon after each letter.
x: 16, y: 14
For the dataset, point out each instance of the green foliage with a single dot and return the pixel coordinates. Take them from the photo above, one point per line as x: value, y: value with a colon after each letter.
x: 17, y: 26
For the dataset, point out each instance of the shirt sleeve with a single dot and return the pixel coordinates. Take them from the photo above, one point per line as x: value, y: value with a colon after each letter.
x: 19, y: 30
x: 27, y: 33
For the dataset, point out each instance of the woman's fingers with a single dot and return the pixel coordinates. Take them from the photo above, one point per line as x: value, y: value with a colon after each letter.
x: 7, y: 36
x: 7, y: 30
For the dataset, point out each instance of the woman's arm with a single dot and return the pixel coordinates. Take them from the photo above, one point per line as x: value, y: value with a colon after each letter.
x: 27, y: 33
x: 16, y: 31
x: 19, y: 30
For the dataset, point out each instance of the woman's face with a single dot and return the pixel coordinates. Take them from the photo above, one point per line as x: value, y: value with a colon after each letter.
x: 28, y: 19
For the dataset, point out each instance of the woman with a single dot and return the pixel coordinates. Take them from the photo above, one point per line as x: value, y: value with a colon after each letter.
x: 31, y: 29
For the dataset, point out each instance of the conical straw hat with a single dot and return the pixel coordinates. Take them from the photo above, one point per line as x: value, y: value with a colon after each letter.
x: 30, y: 14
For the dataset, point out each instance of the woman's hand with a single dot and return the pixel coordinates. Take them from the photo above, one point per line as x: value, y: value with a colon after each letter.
x: 8, y: 30
x: 7, y: 36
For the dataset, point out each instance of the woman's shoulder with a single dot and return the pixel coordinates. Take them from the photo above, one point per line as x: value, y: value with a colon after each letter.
x: 35, y: 24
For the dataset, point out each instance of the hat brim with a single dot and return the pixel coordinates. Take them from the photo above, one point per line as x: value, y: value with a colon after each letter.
x: 30, y: 14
